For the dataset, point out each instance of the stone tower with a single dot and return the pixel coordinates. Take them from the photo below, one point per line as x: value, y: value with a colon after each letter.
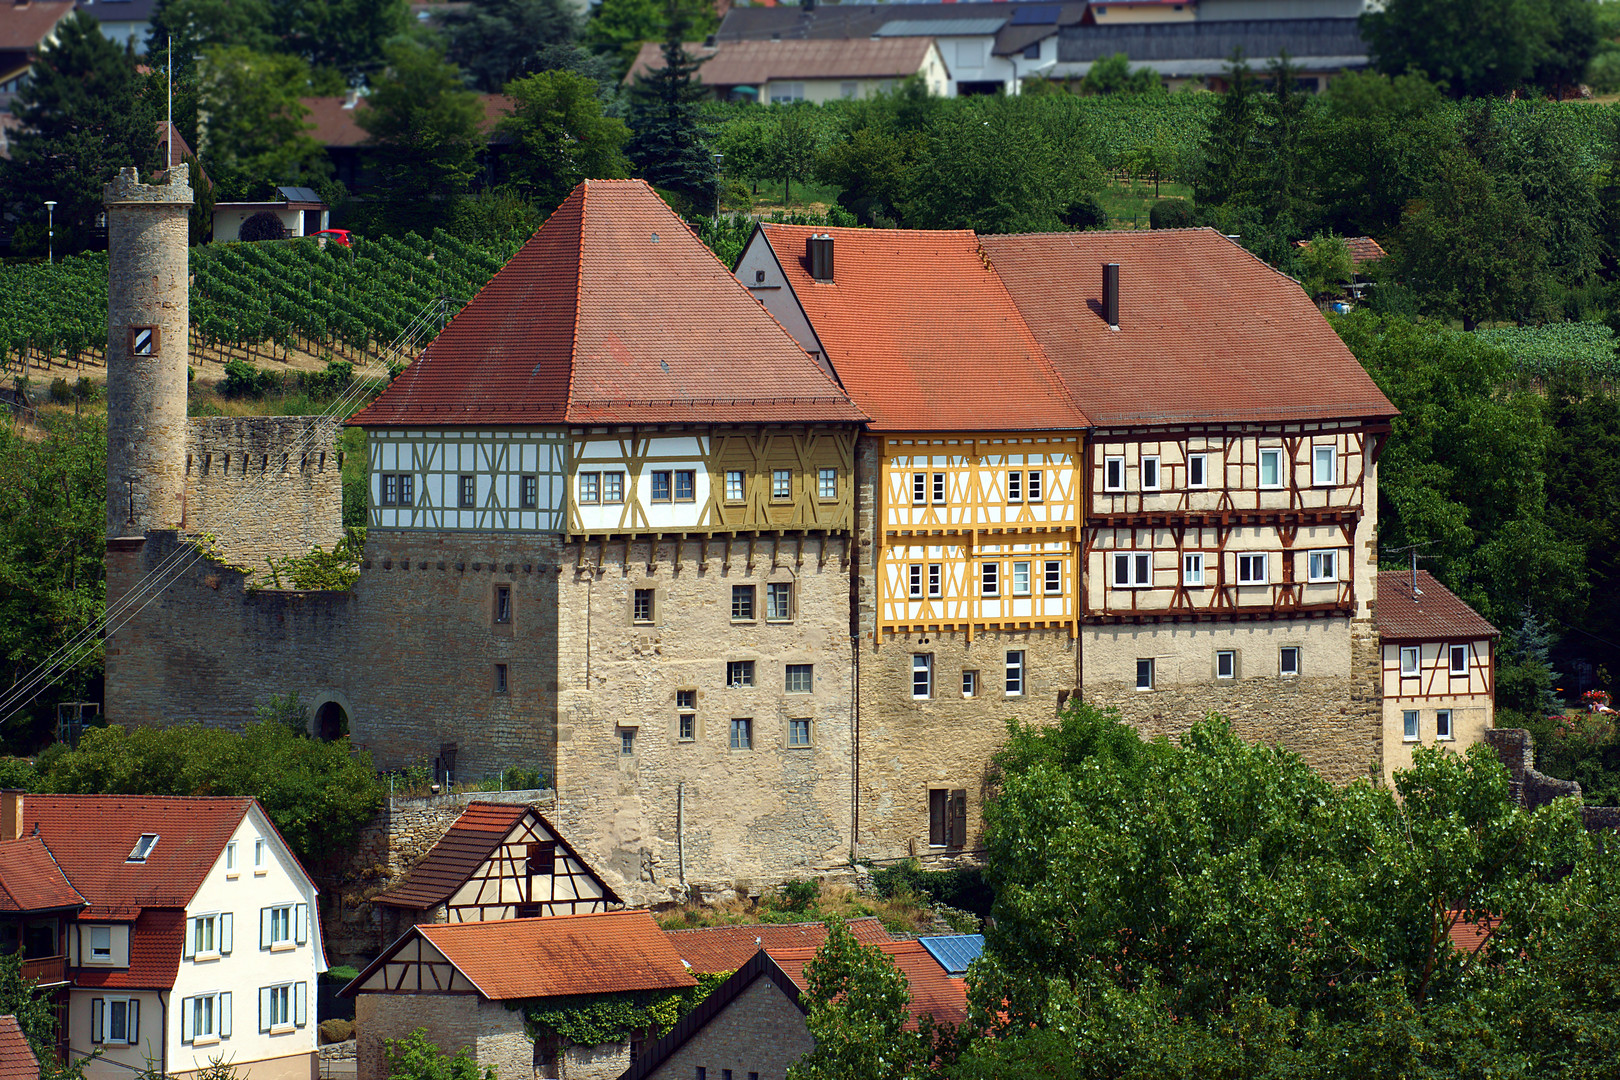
x: 148, y: 312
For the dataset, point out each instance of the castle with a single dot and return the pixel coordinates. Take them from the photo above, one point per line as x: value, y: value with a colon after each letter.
x: 756, y: 565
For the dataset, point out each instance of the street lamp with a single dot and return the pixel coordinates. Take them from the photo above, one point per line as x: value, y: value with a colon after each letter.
x: 718, y: 158
x: 50, y: 230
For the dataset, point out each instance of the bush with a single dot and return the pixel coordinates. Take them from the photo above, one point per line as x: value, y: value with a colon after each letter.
x: 963, y: 888
x: 415, y: 1058
x: 243, y: 380
x: 799, y: 894
x: 61, y: 393
x: 1086, y: 213
x: 264, y: 225
x: 336, y: 1031
x: 331, y: 383
x: 1171, y: 214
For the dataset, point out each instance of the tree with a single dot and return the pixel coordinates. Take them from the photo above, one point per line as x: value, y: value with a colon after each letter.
x: 1481, y: 48
x: 415, y: 1058
x: 256, y: 136
x: 618, y: 27
x: 496, y: 41
x: 1113, y: 75
x: 343, y: 37
x: 1230, y: 174
x: 560, y: 137
x: 794, y: 137
x: 36, y: 1015
x: 670, y: 146
x: 194, y: 25
x: 82, y: 117
x: 1327, y: 266
x: 1151, y: 159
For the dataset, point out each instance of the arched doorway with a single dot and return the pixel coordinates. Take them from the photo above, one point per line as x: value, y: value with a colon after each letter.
x: 331, y: 722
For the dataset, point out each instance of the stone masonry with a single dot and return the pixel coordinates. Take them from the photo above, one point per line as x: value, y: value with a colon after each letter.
x: 760, y: 1031
x: 264, y: 485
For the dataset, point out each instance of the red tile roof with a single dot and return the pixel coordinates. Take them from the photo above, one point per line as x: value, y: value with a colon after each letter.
x: 1469, y: 937
x: 331, y: 120
x: 91, y: 837
x: 1208, y: 332
x: 156, y: 940
x: 30, y: 880
x: 563, y: 954
x: 17, y: 1060
x: 1363, y: 249
x: 24, y: 26
x: 923, y: 334
x: 614, y: 312
x: 750, y: 63
x: 713, y: 949
x: 933, y: 993
x: 1436, y: 615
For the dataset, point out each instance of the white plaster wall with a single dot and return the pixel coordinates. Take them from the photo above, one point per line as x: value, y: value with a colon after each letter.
x: 772, y: 290
x: 1184, y: 653
x: 499, y: 458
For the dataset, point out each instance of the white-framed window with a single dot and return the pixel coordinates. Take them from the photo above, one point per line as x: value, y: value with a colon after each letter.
x: 1409, y: 725
x: 970, y: 683
x: 1442, y: 724
x: 1324, y: 466
x: 736, y: 487
x: 919, y: 488
x: 613, y: 487
x: 1015, y: 673
x: 1053, y: 583
x: 1020, y: 579
x: 208, y: 936
x: 781, y: 485
x: 1409, y: 661
x: 1144, y: 673
x: 935, y: 579
x: 1150, y: 472
x: 1114, y: 474
x: 1324, y: 565
x: 101, y: 943
x: 990, y: 579
x: 1288, y: 660
x: 826, y: 483
x: 283, y: 1007
x: 914, y: 574
x: 783, y: 93
x: 1271, y: 469
x: 922, y: 676
x: 1252, y: 569
x: 258, y: 854
x: 230, y: 858
x: 283, y: 925
x: 143, y: 847
x: 1197, y: 470
x: 1033, y: 486
x: 1459, y: 661
x: 939, y: 489
x: 115, y: 1020
x: 1133, y: 569
x: 205, y: 1018
x: 1192, y: 569
x: 1015, y: 486
x: 1225, y: 664
x: 778, y: 601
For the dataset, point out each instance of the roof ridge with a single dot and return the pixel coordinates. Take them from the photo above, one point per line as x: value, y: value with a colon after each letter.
x: 1029, y: 333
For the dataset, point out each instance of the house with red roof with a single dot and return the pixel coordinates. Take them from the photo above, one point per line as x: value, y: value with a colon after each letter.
x: 17, y: 1059
x: 1438, y: 668
x: 711, y: 950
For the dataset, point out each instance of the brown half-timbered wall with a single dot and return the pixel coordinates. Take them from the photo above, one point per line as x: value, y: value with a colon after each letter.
x: 417, y: 967
x: 530, y: 874
x: 1468, y: 697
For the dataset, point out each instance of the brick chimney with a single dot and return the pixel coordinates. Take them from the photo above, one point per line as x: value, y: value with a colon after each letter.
x: 11, y: 814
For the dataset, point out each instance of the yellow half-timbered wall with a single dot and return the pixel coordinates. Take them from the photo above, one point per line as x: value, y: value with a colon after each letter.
x: 1435, y: 698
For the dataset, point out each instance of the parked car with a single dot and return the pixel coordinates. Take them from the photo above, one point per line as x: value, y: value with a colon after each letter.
x: 337, y: 236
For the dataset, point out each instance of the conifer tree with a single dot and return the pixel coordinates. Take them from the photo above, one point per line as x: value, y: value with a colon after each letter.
x: 670, y: 145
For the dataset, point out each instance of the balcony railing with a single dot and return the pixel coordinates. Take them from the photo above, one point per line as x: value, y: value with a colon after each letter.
x: 46, y: 970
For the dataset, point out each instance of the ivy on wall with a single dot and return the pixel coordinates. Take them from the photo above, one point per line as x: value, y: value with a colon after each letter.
x: 594, y: 1019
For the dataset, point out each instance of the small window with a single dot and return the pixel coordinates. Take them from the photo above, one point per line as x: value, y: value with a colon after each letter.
x: 914, y: 575
x: 258, y: 854
x: 919, y: 488
x: 101, y: 943
x: 686, y: 700
x: 1144, y: 673
x: 529, y: 496
x: 1015, y: 673
x: 742, y: 735
x: 742, y: 603
x: 734, y: 485
x: 627, y: 741
x: 500, y: 678
x: 1054, y: 577
x: 1225, y: 664
x: 799, y: 678
x: 685, y: 485
x: 1409, y: 661
x: 1192, y: 569
x: 1150, y: 473
x: 1114, y: 474
x: 1020, y: 579
x: 279, y: 1011
x: 826, y: 483
x: 1033, y: 485
x: 990, y: 579
x: 590, y: 488
x: 1197, y: 470
x: 935, y: 575
x: 467, y: 492
x: 781, y: 485
x: 1324, y: 466
x: 1409, y: 725
x: 686, y: 727
x: 407, y: 493
x: 1288, y: 660
x: 613, y: 487
x: 1015, y: 486
x: 642, y: 606
x: 947, y: 818
x: 922, y: 675
x: 202, y: 1016
x: 503, y: 603
x: 143, y: 847
x: 202, y: 934
x: 1271, y: 468
x: 798, y: 733
x: 939, y: 489
x: 230, y: 856
x: 970, y: 683
x: 686, y: 707
x: 739, y: 673
x: 1133, y: 569
x: 662, y: 491
x: 143, y: 340
x: 1442, y: 724
x: 779, y: 601
x: 1252, y: 569
x: 390, y: 489
x: 1459, y: 661
x: 1324, y: 565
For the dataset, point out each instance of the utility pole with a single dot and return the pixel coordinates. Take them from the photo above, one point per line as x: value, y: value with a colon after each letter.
x: 50, y: 231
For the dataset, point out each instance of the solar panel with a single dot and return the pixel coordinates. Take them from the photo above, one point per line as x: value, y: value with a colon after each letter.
x: 954, y: 951
x: 1035, y: 16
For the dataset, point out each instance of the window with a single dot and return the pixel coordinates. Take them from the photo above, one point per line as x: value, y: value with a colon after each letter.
x: 390, y: 489
x: 799, y: 678
x: 627, y: 741
x: 407, y: 493
x: 590, y: 488
x: 970, y: 684
x: 101, y: 943
x: 280, y: 1010
x: 230, y: 858
x: 642, y: 606
x: 278, y: 925
x: 1015, y: 673
x: 947, y: 818
x: 1150, y: 473
x: 779, y: 601
x: 1144, y: 674
x: 1133, y: 569
x: 143, y: 340
x: 1409, y: 725
x: 1032, y: 485
x: 939, y: 488
x: 1459, y: 660
x: 798, y: 733
x: 1054, y: 577
x: 467, y: 492
x: 1271, y: 468
x: 1225, y: 664
x: 1288, y: 660
x: 284, y: 1006
x: 701, y: 1073
x: 1324, y: 565
x: 1192, y: 569
x: 781, y: 485
x: 919, y: 488
x: 143, y: 847
x: 742, y: 602
x: 734, y: 485
x: 922, y: 675
x: 848, y: 89
x: 686, y: 709
x: 1197, y: 470
x: 934, y: 576
x: 661, y: 490
x: 115, y: 1020
x: 739, y: 673
x: 613, y: 487
x: 1324, y: 467
x: 1020, y: 579
x: 1015, y: 487
x: 783, y: 93
x: 742, y: 734
x: 915, y: 580
x: 1409, y: 661
x: 990, y: 579
x: 1442, y: 724
x: 529, y: 496
x: 208, y: 937
x: 258, y: 854
x: 500, y: 678
x: 205, y: 1018
x: 503, y: 603
x: 827, y: 483
x: 1114, y: 474
x: 1252, y: 569
x: 686, y: 724
x: 685, y: 485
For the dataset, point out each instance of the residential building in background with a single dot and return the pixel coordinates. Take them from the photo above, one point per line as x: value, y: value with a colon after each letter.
x: 783, y: 72
x: 127, y: 22
x: 25, y: 28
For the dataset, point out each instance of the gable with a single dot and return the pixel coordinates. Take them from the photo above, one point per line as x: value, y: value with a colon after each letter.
x: 414, y: 966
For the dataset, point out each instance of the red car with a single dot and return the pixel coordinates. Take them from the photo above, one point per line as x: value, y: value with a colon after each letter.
x: 337, y: 236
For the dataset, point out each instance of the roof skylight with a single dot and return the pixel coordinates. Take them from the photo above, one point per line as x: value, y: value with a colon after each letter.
x: 143, y: 847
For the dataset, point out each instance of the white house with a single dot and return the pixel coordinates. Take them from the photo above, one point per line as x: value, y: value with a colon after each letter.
x: 200, y: 942
x: 299, y: 209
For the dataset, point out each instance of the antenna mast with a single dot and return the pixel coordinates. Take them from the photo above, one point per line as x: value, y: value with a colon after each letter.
x: 168, y: 136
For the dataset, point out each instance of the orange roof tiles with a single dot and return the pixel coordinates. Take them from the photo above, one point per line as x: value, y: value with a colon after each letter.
x: 614, y: 312
x: 1437, y: 615
x: 30, y: 880
x: 156, y: 941
x: 331, y: 120
x: 713, y: 949
x: 923, y: 334
x: 17, y: 1060
x: 1208, y: 333
x: 560, y: 955
x: 933, y: 993
x: 24, y: 26
x: 1363, y: 249
x: 748, y: 63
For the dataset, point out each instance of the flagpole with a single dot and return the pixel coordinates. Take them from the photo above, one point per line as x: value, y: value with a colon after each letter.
x: 168, y: 136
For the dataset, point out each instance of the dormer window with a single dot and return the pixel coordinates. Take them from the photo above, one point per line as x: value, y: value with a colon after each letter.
x: 143, y: 848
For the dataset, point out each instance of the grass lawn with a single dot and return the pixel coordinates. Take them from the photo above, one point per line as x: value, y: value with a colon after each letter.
x: 812, y: 198
x: 1129, y: 203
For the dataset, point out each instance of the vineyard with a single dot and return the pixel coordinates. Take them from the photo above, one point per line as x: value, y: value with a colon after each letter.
x: 1540, y: 351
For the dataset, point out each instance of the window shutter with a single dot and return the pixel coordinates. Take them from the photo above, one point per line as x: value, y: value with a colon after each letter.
x: 225, y: 1015
x: 264, y: 928
x: 958, y: 836
x: 300, y: 1005
x: 134, y: 1021
x: 185, y: 1019
x: 301, y: 923
x: 264, y: 1009
x: 189, y: 946
x: 98, y: 1018
x: 225, y: 933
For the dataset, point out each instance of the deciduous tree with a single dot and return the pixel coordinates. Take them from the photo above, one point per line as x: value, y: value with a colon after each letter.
x: 560, y: 137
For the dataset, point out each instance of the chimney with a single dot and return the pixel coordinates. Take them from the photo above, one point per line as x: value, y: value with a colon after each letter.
x: 818, y: 251
x: 1110, y: 301
x: 11, y: 814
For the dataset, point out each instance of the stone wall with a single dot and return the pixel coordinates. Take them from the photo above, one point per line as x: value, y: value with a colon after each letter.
x: 1516, y: 750
x: 452, y: 1022
x: 264, y: 485
x: 760, y: 1031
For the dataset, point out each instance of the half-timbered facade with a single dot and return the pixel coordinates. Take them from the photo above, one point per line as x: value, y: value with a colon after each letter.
x: 1438, y: 668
